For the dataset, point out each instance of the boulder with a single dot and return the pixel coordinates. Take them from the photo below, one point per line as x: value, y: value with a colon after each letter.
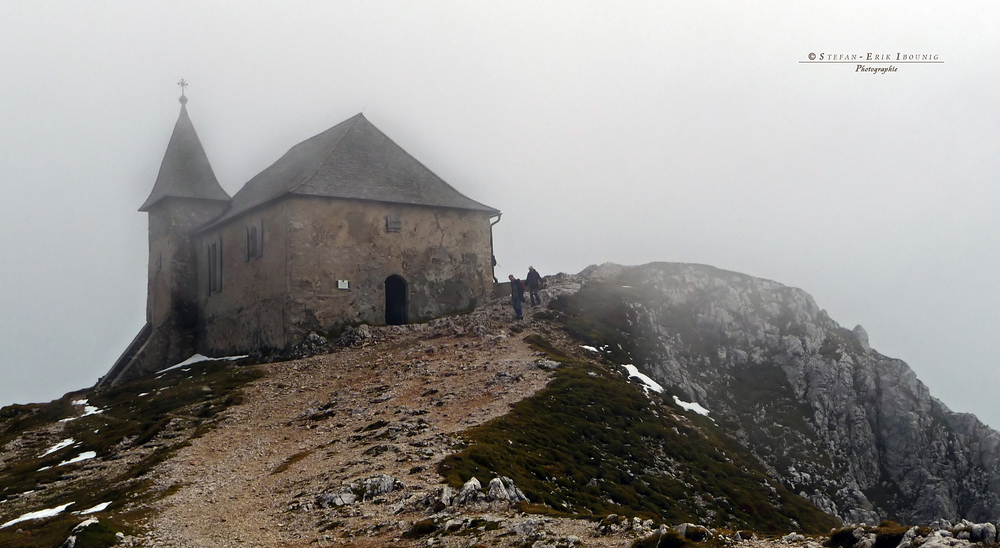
x: 341, y: 497
x: 380, y: 484
x: 693, y: 532
x: 546, y: 363
x: 502, y: 489
x: 527, y: 526
x: 908, y: 537
x: 314, y: 339
x: 470, y: 492
x: 985, y: 532
x: 940, y: 524
x: 447, y: 495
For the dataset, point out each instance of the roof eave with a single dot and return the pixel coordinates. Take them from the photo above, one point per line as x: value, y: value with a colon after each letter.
x: 150, y: 202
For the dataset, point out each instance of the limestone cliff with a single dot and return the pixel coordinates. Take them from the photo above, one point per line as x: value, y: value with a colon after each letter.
x: 850, y: 429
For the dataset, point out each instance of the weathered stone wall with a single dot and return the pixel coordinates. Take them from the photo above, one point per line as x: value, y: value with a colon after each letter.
x: 167, y: 345
x: 172, y: 287
x: 310, y: 243
x: 169, y: 257
x: 248, y: 312
x: 443, y: 254
x: 171, y: 284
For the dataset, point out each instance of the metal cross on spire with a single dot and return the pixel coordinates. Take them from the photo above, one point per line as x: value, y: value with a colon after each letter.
x: 183, y: 84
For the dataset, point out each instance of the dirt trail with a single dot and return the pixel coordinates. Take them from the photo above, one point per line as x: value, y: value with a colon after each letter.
x: 310, y: 425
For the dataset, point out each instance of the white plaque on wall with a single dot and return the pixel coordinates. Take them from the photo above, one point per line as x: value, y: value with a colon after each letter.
x: 343, y: 284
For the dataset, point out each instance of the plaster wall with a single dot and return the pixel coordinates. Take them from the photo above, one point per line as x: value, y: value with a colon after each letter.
x: 169, y: 257
x: 445, y: 256
x: 310, y: 243
x: 171, y: 285
x: 248, y: 312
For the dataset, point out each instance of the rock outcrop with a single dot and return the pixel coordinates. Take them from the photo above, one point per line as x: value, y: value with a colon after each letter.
x: 852, y: 430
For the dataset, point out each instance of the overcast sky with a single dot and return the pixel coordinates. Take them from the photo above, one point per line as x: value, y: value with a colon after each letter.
x: 612, y: 131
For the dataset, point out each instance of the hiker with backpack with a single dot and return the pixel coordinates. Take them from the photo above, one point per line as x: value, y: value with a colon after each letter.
x: 516, y: 295
x: 534, y: 283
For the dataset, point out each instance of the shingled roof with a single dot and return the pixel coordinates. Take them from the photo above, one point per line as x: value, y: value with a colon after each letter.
x: 352, y: 160
x: 185, y: 171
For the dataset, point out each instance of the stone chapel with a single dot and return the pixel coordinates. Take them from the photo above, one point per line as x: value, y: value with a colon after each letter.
x: 345, y: 228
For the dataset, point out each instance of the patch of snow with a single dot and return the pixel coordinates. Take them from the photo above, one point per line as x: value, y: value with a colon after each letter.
x: 91, y: 410
x: 94, y: 509
x: 193, y: 359
x: 695, y: 406
x: 88, y: 410
x: 41, y: 514
x: 647, y: 382
x: 81, y: 457
x: 64, y: 443
x: 43, y: 468
x: 591, y: 348
x: 84, y: 524
x: 196, y: 359
x: 143, y: 394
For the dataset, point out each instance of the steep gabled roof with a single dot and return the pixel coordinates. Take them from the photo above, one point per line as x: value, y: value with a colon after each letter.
x: 185, y: 171
x: 353, y: 160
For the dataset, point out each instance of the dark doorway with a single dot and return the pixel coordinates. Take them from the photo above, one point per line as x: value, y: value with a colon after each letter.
x: 395, y: 301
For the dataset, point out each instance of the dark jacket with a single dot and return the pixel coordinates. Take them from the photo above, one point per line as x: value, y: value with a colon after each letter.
x: 534, y: 280
x: 517, y: 289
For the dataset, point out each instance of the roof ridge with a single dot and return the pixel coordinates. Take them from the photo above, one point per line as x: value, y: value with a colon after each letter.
x: 333, y: 149
x: 352, y: 160
x: 431, y: 171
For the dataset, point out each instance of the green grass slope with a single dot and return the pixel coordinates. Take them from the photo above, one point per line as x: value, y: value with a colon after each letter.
x: 592, y: 444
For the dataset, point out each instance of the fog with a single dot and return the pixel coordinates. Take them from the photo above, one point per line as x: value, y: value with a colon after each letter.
x: 624, y: 132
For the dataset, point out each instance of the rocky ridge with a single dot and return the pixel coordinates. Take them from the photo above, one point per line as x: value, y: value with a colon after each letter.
x: 833, y: 419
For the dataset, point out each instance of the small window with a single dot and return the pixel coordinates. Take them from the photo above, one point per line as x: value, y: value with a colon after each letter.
x: 251, y: 243
x: 392, y: 223
x: 255, y: 241
x: 215, y: 266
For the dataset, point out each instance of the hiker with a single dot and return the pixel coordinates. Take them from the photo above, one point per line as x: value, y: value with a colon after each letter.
x: 516, y: 295
x: 534, y: 282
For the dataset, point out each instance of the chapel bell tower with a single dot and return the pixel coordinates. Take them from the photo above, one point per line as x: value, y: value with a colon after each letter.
x: 186, y: 195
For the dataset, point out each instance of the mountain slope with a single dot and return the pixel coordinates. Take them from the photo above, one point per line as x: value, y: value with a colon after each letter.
x: 845, y: 426
x: 378, y: 439
x: 346, y: 447
x: 592, y: 444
